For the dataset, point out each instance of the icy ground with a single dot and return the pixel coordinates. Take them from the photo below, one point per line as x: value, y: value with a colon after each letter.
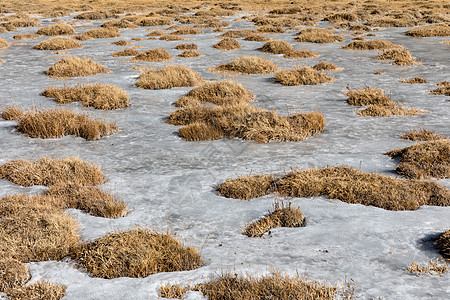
x: 169, y: 183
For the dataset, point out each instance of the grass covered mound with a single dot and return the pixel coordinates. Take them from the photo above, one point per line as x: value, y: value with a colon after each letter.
x: 318, y: 35
x: 186, y: 30
x: 422, y: 135
x: 281, y: 216
x: 301, y: 76
x: 99, y: 33
x: 75, y: 67
x: 39, y: 290
x: 56, y: 29
x: 425, y: 160
x: 277, y: 47
x: 256, y: 37
x: 223, y: 92
x: 301, y: 53
x: 3, y: 44
x: 414, y: 80
x: 400, y: 57
x: 189, y: 53
x: 326, y: 66
x: 247, y: 65
x: 157, y: 54
x: 126, y: 52
x: 26, y: 36
x: 58, y: 43
x: 135, y: 253
x: 430, y: 30
x: 171, y: 37
x: 59, y: 122
x: 377, y: 104
x: 124, y: 24
x: 227, y: 44
x: 13, y: 274
x: 270, y: 29
x: 203, y: 122
x: 443, y: 244
x: 246, y: 187
x: 52, y: 171
x: 168, y: 77
x: 274, y: 286
x: 99, y: 96
x: 346, y: 184
x: 443, y: 89
x: 370, y: 45
x: 122, y: 43
x: 187, y: 46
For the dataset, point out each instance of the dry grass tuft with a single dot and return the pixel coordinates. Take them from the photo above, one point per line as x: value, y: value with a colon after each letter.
x: 189, y: 53
x: 326, y: 66
x: 56, y: 123
x: 425, y: 160
x: 443, y: 244
x: 237, y: 33
x: 318, y: 35
x: 3, y: 44
x: 124, y: 24
x: 26, y: 36
x: 302, y: 53
x: 39, y: 290
x: 122, y: 43
x: 351, y: 186
x: 422, y: 135
x: 228, y: 44
x: 301, y: 76
x: 401, y: 57
x: 247, y: 187
x: 58, y: 43
x: 220, y: 93
x: 270, y: 29
x: 99, y: 96
x: 171, y: 37
x: 370, y: 45
x: 136, y: 253
x: 95, y: 15
x: 443, y: 89
x: 47, y: 171
x: 156, y: 33
x: 281, y: 216
x: 378, y: 72
x: 255, y: 37
x: 187, y: 46
x: 277, y: 47
x: 99, y: 33
x: 433, y: 268
x: 127, y: 52
x: 75, y: 67
x: 13, y: 113
x: 153, y: 21
x: 168, y: 77
x: 430, y: 30
x: 274, y: 286
x: 13, y: 274
x: 186, y: 30
x: 56, y: 29
x: 247, y: 65
x: 25, y: 22
x: 414, y: 80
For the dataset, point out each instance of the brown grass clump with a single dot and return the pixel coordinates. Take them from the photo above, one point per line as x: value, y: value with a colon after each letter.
x: 414, y: 80
x: 168, y: 77
x: 99, y: 96
x: 301, y: 76
x: 277, y: 47
x: 13, y: 274
x: 443, y: 89
x: 433, y: 268
x: 25, y: 22
x: 446, y: 42
x: 58, y: 43
x: 153, y: 21
x: 136, y: 253
x: 122, y: 43
x: 370, y: 45
x: 75, y: 67
x: 56, y: 123
x: 127, y: 52
x: 171, y: 37
x: 256, y: 37
x: 186, y: 30
x: 248, y: 65
x: 342, y: 17
x: 26, y: 36
x: 326, y: 66
x: 401, y: 57
x: 95, y: 15
x: 56, y: 29
x: 228, y: 44
x: 270, y: 29
x: 38, y: 291
x: 119, y: 24
x: 187, y: 46
x: 237, y: 33
x: 430, y: 30
x: 3, y: 44
x: 246, y: 187
x: 302, y: 53
x: 189, y: 53
x: 99, y: 33
x: 422, y: 135
x: 220, y: 93
x: 274, y: 286
x: 378, y: 72
x: 47, y: 171
x: 155, y: 33
x: 281, y: 216
x: 318, y: 35
x: 425, y: 160
x: 352, y: 186
x: 443, y: 244
x: 391, y: 22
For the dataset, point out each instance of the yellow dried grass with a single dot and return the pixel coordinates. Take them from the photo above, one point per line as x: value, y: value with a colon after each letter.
x: 277, y: 47
x: 157, y: 54
x: 122, y: 43
x: 3, y: 44
x: 168, y: 77
x: 422, y: 135
x: 126, y: 52
x: 301, y: 76
x: 228, y: 44
x: 318, y: 35
x: 414, y: 80
x: 443, y: 244
x: 75, y: 67
x: 433, y: 267
x: 400, y: 57
x: 13, y: 274
x: 430, y: 30
x: 26, y: 36
x: 99, y: 33
x: 326, y: 66
x: 40, y: 290
x: 301, y: 53
x: 370, y: 45
x: 58, y: 43
x: 187, y: 46
x: 189, y: 53
x: 247, y: 65
x: 56, y: 29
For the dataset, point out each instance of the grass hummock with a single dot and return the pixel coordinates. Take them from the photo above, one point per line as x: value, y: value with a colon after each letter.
x: 190, y: 53
x: 443, y: 244
x: 318, y: 35
x: 58, y: 43
x: 370, y: 45
x: 301, y: 76
x: 400, y: 57
x: 56, y: 29
x: 75, y: 67
x: 39, y: 290
x: 430, y: 30
x: 422, y: 135
x: 443, y: 89
x: 13, y: 274
x: 414, y: 80
x: 227, y: 44
x: 168, y: 77
x: 99, y: 33
x: 326, y: 66
x: 247, y: 65
x: 157, y: 54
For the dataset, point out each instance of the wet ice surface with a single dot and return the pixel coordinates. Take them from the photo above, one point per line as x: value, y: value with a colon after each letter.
x: 167, y: 182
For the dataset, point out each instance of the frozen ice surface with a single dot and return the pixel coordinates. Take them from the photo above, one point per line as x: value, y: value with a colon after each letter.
x: 169, y: 183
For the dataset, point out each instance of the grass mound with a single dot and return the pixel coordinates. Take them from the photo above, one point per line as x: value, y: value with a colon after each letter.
x: 370, y: 45
x: 135, y: 253
x: 220, y: 93
x: 301, y: 53
x: 443, y: 89
x: 56, y: 123
x: 26, y: 36
x: 168, y: 77
x: 122, y: 43
x: 189, y: 53
x: 318, y: 35
x: 153, y: 21
x: 3, y: 44
x: 255, y: 37
x: 326, y: 66
x: 47, y: 171
x: 422, y: 135
x: 75, y: 67
x: 246, y: 187
x: 124, y: 24
x: 270, y: 29
x: 414, y: 80
x: 58, y: 43
x: 185, y: 30
x: 430, y: 30
x: 348, y: 185
x: 56, y: 29
x: 277, y: 47
x: 171, y: 37
x: 127, y: 52
x: 39, y: 290
x: 274, y: 286
x: 227, y: 44
x: 202, y: 122
x: 443, y: 244
x: 378, y: 104
x: 425, y: 160
x: 281, y: 216
x: 187, y: 46
x: 155, y: 33
x: 13, y: 274
x: 400, y: 57
x: 99, y: 33
x: 248, y: 65
x: 301, y: 76
x: 237, y: 33
x: 99, y: 96
x: 95, y: 15
x: 157, y: 54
